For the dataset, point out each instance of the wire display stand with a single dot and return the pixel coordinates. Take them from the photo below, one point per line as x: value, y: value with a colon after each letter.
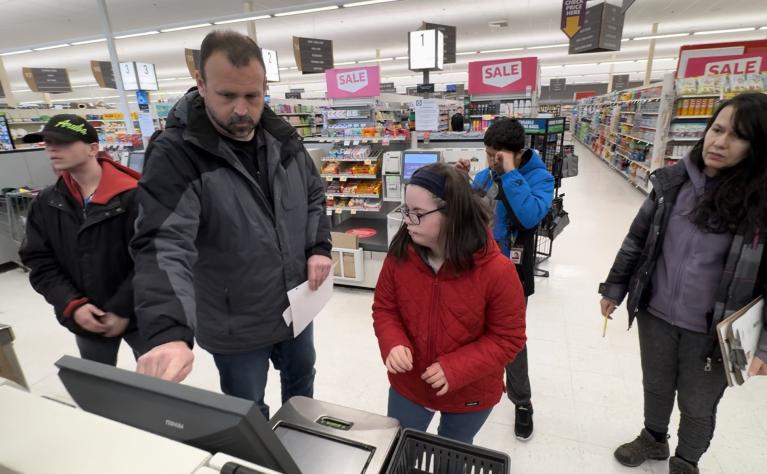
x: 547, y: 136
x: 14, y: 207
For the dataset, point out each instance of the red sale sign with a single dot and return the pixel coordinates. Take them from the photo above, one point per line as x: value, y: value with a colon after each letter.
x: 715, y: 65
x: 353, y: 82
x: 501, y: 76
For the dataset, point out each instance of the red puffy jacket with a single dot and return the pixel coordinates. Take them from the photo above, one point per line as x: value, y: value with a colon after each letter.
x: 472, y: 323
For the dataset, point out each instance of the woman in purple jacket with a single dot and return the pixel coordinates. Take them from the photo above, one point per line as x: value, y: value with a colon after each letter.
x: 693, y: 256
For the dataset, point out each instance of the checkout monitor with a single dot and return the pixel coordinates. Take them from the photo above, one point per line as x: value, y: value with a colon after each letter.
x: 412, y: 160
x: 136, y: 161
x: 205, y: 420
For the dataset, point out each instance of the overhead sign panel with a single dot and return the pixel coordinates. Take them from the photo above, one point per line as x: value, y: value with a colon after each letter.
x: 313, y: 55
x: 50, y: 80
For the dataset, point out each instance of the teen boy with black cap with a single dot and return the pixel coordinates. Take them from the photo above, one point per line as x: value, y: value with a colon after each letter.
x: 76, y: 244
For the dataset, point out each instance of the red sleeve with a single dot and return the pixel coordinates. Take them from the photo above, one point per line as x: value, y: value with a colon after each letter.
x: 387, y: 321
x: 504, y: 334
x: 72, y: 306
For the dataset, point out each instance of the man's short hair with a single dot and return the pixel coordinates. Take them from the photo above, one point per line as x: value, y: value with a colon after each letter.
x: 240, y: 49
x: 505, y: 134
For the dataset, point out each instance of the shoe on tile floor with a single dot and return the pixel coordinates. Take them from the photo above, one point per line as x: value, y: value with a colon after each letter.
x: 680, y: 466
x: 523, y: 423
x: 644, y: 447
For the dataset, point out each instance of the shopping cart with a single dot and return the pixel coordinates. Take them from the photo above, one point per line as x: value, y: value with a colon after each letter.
x: 14, y: 207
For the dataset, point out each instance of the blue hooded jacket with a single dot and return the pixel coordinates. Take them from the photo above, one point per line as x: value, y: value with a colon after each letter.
x: 529, y: 190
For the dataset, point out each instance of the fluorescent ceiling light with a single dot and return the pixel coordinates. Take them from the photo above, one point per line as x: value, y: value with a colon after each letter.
x: 618, y: 62
x: 500, y: 50
x: 551, y: 67
x: 716, y: 32
x: 310, y: 10
x: 55, y: 46
x: 467, y: 53
x: 84, y: 85
x: 579, y: 65
x: 368, y: 2
x: 188, y: 27
x: 560, y: 45
x: 78, y: 43
x: 669, y: 35
x: 399, y: 58
x: 763, y: 28
x: 165, y: 79
x: 625, y: 39
x: 237, y: 20
x: 345, y: 63
x: 136, y: 35
x: 21, y: 90
x: 378, y: 60
x: 284, y: 68
x: 17, y: 52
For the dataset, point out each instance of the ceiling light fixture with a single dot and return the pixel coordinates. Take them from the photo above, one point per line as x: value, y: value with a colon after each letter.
x: 368, y: 2
x: 81, y: 86
x: 310, y: 10
x: 99, y: 40
x: 17, y: 52
x: 548, y: 46
x: 345, y: 63
x: 669, y: 35
x: 467, y: 53
x: 55, y: 46
x: 500, y: 50
x: 732, y: 30
x: 238, y: 20
x: 377, y: 60
x: 166, y: 79
x: 21, y: 90
x: 188, y: 27
x: 136, y: 35
x: 400, y: 58
x: 618, y: 62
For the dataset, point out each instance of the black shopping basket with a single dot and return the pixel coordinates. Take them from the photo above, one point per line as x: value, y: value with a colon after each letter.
x: 420, y: 453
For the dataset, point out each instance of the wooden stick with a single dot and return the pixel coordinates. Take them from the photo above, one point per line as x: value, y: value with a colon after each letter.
x: 604, y: 328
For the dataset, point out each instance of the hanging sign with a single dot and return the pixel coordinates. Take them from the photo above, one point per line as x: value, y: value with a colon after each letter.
x: 192, y: 57
x: 502, y: 76
x: 52, y: 80
x: 103, y: 73
x: 573, y: 14
x: 353, y: 82
x: 313, y: 55
x: 754, y: 63
x: 272, y: 65
x: 557, y: 86
x: 426, y: 50
x: 601, y: 30
x: 620, y: 82
x: 449, y: 33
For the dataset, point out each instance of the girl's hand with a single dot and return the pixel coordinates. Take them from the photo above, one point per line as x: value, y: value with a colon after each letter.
x: 435, y: 377
x: 400, y: 360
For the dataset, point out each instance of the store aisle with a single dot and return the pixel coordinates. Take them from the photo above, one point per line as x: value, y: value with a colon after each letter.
x: 586, y: 389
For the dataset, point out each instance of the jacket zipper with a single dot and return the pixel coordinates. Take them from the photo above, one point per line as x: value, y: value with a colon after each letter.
x: 228, y: 311
x: 432, y: 343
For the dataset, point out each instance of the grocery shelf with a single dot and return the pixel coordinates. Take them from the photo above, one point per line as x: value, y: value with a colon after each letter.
x: 353, y: 209
x: 698, y: 96
x: 684, y: 139
x: 684, y: 117
x: 349, y: 176
x: 637, y: 139
x: 296, y: 113
x: 354, y: 195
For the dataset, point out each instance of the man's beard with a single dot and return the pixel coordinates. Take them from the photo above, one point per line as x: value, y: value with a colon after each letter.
x: 235, y: 126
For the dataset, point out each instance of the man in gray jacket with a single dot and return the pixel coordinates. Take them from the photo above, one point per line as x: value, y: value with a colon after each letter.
x: 231, y: 216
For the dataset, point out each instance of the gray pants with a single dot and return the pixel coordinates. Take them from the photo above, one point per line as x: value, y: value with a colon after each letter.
x: 105, y: 349
x: 673, y: 363
x: 518, y: 378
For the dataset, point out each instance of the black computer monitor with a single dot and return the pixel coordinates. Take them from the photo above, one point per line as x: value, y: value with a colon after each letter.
x: 136, y: 161
x: 202, y: 419
x: 412, y: 160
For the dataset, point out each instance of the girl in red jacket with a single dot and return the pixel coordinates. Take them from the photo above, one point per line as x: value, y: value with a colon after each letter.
x: 449, y: 310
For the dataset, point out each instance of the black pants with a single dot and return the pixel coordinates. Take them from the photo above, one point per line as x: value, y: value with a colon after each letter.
x: 518, y: 377
x: 105, y: 349
x: 674, y: 364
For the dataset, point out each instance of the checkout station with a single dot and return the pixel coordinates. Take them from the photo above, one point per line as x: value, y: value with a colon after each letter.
x: 131, y: 423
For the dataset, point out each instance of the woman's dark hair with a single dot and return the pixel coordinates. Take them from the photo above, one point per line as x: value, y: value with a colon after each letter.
x: 505, y: 134
x: 466, y: 226
x: 741, y: 196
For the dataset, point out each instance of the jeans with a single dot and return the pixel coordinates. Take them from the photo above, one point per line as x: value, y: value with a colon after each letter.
x: 105, y: 349
x: 243, y: 375
x: 518, y: 378
x: 673, y: 364
x: 458, y: 426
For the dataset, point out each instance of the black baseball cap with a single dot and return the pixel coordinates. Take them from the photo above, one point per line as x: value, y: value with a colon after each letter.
x: 67, y: 128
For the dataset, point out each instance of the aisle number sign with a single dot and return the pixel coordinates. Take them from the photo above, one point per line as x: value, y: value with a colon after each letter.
x: 129, y: 76
x: 426, y: 50
x: 353, y: 82
x: 502, y: 76
x: 272, y: 65
x: 147, y: 78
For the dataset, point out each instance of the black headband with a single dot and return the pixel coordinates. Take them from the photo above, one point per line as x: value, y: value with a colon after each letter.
x: 431, y: 182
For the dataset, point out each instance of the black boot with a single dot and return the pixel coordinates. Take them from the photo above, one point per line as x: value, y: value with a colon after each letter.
x: 644, y: 447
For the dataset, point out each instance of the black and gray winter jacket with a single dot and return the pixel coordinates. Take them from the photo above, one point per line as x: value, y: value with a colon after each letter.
x: 214, y: 259
x: 745, y: 271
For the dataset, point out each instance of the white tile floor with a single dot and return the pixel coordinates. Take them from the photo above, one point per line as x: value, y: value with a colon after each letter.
x: 586, y: 389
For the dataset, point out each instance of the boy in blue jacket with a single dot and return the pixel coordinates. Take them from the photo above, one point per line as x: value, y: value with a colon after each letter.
x: 520, y: 189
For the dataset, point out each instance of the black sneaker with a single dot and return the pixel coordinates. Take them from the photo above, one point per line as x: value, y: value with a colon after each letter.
x: 523, y: 424
x: 680, y: 466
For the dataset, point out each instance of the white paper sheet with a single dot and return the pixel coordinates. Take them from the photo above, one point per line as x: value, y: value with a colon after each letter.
x: 306, y: 304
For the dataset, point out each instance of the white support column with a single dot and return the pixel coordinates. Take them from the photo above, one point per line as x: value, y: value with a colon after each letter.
x: 106, y: 29
x: 10, y: 99
x: 251, y: 24
x: 650, y: 57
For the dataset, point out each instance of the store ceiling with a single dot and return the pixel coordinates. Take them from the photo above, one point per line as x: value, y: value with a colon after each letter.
x: 359, y: 33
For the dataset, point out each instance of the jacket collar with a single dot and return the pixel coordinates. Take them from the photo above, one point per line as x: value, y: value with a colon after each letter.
x: 667, y: 179
x: 418, y: 256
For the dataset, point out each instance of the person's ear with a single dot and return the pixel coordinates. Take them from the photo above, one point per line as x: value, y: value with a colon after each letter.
x: 200, y: 83
x: 93, y: 149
